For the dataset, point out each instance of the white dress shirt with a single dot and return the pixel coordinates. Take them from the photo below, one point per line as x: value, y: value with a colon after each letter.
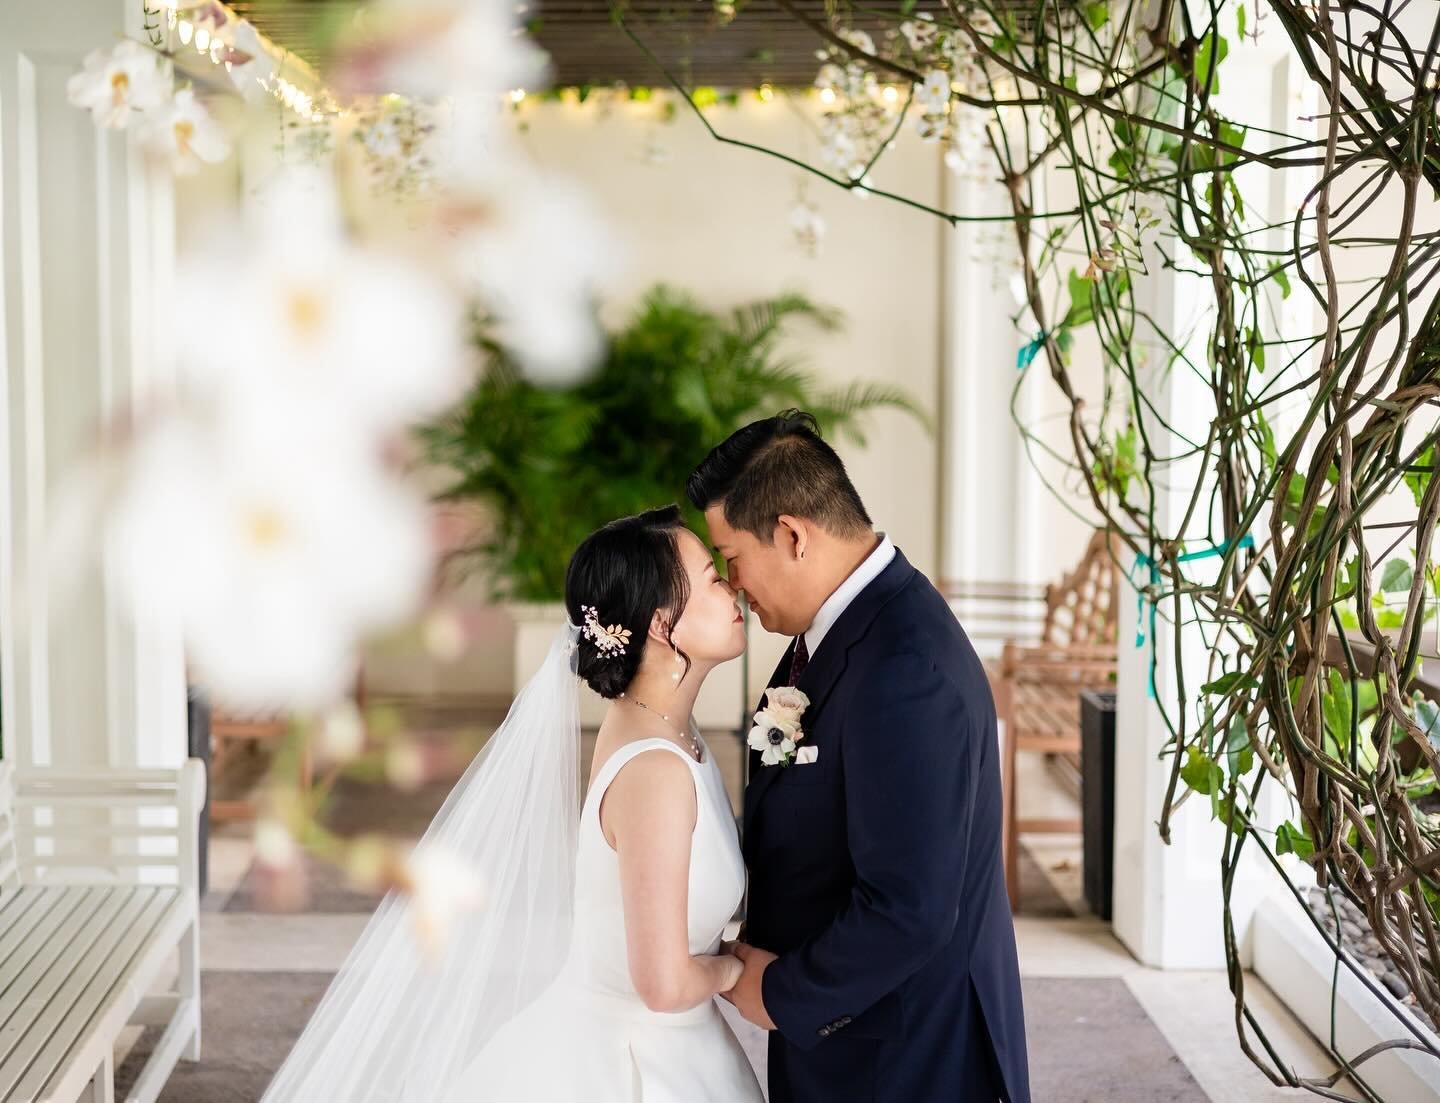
x: 847, y: 592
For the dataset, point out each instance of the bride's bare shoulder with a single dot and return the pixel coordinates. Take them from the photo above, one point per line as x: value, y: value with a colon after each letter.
x: 652, y: 789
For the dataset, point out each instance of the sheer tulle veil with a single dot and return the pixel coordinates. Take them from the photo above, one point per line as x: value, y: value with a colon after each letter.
x: 400, y: 1025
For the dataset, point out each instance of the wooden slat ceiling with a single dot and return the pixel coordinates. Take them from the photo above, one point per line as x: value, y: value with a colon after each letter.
x: 763, y: 43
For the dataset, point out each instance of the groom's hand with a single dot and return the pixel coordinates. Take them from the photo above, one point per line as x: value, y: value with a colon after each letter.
x: 746, y: 995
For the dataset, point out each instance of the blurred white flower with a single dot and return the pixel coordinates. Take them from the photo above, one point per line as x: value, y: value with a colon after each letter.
x: 536, y: 251
x: 807, y: 225
x: 274, y: 845
x: 444, y: 635
x: 183, y: 131
x: 342, y: 732
x: 250, y: 76
x: 382, y: 138
x: 442, y: 890
x: 934, y: 95
x: 842, y: 146
x: 274, y: 546
x: 830, y: 76
x: 117, y: 84
x: 309, y: 316
x: 859, y: 39
x: 429, y: 49
x: 920, y: 32
x: 405, y: 765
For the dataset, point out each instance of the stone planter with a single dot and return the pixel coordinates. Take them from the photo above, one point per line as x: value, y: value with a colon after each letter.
x: 719, y: 708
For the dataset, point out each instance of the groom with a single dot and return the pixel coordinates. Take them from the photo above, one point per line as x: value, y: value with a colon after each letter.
x: 878, y: 943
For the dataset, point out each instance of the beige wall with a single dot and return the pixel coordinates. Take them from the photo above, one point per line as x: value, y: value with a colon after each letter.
x: 714, y: 220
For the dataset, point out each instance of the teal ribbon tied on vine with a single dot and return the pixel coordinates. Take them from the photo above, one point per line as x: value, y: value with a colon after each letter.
x: 1143, y: 560
x: 1026, y: 356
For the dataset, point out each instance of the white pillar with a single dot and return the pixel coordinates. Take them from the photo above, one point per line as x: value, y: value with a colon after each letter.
x: 1167, y: 899
x: 86, y: 234
x: 992, y: 501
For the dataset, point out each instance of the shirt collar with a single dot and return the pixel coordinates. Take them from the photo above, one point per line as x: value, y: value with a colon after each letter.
x: 848, y: 591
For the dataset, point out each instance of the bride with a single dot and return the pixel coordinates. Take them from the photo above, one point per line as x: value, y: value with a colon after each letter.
x: 592, y: 970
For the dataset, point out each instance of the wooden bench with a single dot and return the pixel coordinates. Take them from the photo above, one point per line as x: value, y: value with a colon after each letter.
x: 1037, y: 686
x: 97, y: 895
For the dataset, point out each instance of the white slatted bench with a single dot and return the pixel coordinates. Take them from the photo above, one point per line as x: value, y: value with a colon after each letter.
x: 97, y: 896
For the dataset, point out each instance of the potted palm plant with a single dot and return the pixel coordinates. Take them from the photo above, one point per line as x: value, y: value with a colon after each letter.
x: 550, y: 465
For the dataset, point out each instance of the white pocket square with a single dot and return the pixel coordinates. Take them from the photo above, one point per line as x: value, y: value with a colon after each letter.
x: 806, y: 755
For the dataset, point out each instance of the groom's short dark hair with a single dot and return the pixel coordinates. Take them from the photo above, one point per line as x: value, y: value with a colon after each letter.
x: 778, y: 465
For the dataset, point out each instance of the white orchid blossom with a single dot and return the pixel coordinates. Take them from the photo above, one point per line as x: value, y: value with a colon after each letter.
x: 429, y: 49
x: 442, y: 890
x: 933, y: 95
x: 275, y: 547
x: 536, y: 252
x: 183, y: 131
x: 118, y: 84
x: 315, y: 318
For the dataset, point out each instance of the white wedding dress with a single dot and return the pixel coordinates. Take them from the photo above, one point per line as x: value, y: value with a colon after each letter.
x: 589, y: 1037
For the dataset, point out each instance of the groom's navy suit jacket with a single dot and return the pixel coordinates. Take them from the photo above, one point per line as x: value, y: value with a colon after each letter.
x: 875, y: 871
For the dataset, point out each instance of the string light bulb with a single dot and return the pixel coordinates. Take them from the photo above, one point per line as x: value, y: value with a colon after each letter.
x: 766, y: 93
x: 827, y: 95
x: 517, y: 95
x: 890, y: 95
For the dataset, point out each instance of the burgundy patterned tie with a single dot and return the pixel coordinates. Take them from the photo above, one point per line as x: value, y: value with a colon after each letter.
x: 800, y: 661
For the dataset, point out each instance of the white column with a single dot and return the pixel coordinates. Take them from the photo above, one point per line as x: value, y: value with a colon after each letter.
x: 1167, y: 899
x: 86, y: 234
x: 992, y: 501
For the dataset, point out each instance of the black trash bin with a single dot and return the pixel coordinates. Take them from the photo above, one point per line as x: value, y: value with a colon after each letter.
x: 197, y: 722
x: 1097, y: 796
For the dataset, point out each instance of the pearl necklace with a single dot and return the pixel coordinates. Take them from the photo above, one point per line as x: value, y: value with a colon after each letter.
x: 696, y: 750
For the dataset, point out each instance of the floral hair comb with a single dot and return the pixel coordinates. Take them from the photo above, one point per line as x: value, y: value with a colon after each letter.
x: 611, y: 641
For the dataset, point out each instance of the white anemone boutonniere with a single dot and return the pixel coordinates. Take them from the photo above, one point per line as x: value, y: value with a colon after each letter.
x: 777, y: 731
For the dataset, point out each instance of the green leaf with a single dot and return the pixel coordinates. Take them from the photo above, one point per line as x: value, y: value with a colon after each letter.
x: 1224, y: 810
x: 1427, y: 715
x: 1239, y: 757
x: 1097, y: 14
x: 1367, y: 693
x: 1290, y: 839
x: 1256, y: 347
x: 1335, y: 707
x: 1228, y: 683
x: 1417, y: 476
x: 1082, y: 310
x: 1267, y: 439
x: 1201, y: 772
x: 1281, y: 277
x: 1350, y: 574
x: 1208, y: 55
x: 1397, y: 576
x: 1240, y: 21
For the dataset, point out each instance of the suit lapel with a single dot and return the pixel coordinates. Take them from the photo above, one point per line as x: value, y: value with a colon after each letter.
x: 823, y: 672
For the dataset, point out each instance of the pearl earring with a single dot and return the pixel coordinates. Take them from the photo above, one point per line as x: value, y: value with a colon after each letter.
x: 679, y: 661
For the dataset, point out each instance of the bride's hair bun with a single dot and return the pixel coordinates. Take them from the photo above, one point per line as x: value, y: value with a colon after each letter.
x: 624, y: 572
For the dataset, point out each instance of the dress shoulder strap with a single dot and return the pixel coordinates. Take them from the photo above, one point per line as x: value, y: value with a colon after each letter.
x: 627, y: 753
